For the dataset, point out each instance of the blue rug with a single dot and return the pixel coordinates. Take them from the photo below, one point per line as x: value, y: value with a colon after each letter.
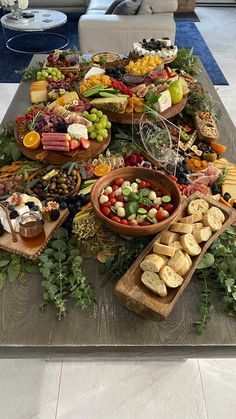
x: 187, y: 36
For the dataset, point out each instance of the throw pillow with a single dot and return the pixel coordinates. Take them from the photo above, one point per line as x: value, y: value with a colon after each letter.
x: 112, y: 7
x: 127, y: 7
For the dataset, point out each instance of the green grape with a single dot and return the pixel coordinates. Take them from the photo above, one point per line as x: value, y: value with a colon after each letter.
x: 100, y: 132
x: 98, y: 126
x: 44, y: 73
x: 53, y: 73
x: 97, y: 119
x: 90, y: 128
x: 99, y: 114
x: 99, y: 138
x: 39, y: 73
x: 108, y: 125
x: 94, y: 111
x: 93, y: 135
x: 49, y: 70
x: 105, y: 133
x: 85, y: 114
x: 93, y: 118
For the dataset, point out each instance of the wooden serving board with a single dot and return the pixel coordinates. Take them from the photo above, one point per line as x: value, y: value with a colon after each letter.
x: 59, y: 158
x: 200, y: 124
x: 30, y: 252
x: 133, y: 295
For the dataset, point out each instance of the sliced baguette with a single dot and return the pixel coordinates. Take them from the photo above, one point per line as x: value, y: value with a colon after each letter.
x: 197, y: 226
x: 153, y: 262
x: 177, y: 245
x: 154, y: 283
x: 217, y: 213
x: 190, y: 219
x: 162, y: 249
x: 181, y: 228
x: 202, y: 235
x: 177, y: 261
x: 167, y: 237
x: 197, y: 205
x: 211, y: 221
x: 190, y: 244
x: 170, y: 277
x: 188, y: 263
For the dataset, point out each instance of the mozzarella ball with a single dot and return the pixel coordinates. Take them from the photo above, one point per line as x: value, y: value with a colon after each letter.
x: 118, y: 191
x: 134, y: 187
x: 152, y: 212
x: 152, y: 195
x: 121, y: 212
x: 119, y: 205
x: 157, y: 201
x: 125, y: 184
x: 103, y: 199
x: 140, y: 218
x: 165, y: 213
x: 132, y: 217
x: 108, y: 189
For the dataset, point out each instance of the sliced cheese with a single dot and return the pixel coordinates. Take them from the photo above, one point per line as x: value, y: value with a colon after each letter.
x: 170, y: 277
x: 154, y: 283
x: 190, y: 244
x: 162, y: 249
x: 181, y: 228
x: 230, y: 189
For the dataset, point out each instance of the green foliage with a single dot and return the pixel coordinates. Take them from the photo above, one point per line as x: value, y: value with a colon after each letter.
x: 30, y: 73
x: 125, y: 140
x: 60, y: 266
x: 217, y: 272
x: 13, y: 266
x: 9, y: 151
x: 199, y: 101
x: 186, y: 61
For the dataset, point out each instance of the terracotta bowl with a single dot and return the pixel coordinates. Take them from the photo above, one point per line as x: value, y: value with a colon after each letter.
x: 158, y: 180
x: 51, y: 196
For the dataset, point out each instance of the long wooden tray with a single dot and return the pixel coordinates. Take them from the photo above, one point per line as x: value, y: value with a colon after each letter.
x: 132, y: 294
x: 30, y: 252
x: 59, y: 158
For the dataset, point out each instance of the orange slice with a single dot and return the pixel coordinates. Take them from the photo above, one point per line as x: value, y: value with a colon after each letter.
x: 32, y: 140
x: 102, y: 169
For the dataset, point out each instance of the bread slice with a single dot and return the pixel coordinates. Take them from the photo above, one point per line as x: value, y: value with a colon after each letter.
x: 209, y: 220
x: 154, y: 283
x: 167, y: 237
x: 162, y: 249
x: 190, y: 244
x: 177, y: 261
x: 197, y: 226
x: 153, y: 262
x: 197, y: 205
x: 190, y: 219
x: 188, y: 263
x: 170, y: 277
x: 181, y: 228
x: 177, y: 245
x: 202, y: 235
x: 217, y: 213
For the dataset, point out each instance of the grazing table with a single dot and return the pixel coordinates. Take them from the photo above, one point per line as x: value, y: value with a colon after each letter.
x: 109, y: 330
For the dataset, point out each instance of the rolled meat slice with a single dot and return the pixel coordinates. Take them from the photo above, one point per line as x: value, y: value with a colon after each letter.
x: 56, y: 148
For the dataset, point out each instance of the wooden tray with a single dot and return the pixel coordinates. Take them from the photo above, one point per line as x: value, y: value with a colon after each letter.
x: 133, y: 295
x: 59, y: 158
x: 200, y: 124
x: 135, y: 118
x: 28, y: 252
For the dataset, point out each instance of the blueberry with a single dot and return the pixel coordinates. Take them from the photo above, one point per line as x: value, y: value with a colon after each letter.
x: 34, y: 208
x: 13, y: 214
x: 78, y: 206
x: 63, y: 205
x: 55, y: 214
x: 11, y: 207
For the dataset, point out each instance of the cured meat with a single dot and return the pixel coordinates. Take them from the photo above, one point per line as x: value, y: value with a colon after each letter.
x: 158, y: 75
x: 56, y: 143
x: 190, y: 189
x: 56, y: 148
x: 75, y: 118
x: 206, y: 176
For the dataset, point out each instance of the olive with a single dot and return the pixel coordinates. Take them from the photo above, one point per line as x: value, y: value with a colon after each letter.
x: 53, y: 185
x: 227, y: 196
x: 60, y: 191
x: 61, y: 180
x: 63, y: 186
x: 74, y: 173
x: 66, y: 191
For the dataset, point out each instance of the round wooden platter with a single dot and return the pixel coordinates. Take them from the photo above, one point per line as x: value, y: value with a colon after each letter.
x: 59, y: 158
x: 135, y: 118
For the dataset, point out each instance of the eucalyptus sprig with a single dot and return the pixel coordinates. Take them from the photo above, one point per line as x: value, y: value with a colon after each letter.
x: 14, y: 267
x: 9, y: 150
x: 186, y: 61
x: 30, y: 73
x: 60, y: 266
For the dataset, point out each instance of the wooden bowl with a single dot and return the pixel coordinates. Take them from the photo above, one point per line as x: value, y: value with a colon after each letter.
x: 51, y: 196
x: 158, y: 180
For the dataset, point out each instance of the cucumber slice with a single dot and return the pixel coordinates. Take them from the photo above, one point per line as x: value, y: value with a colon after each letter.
x: 138, y: 180
x: 113, y: 209
x: 142, y: 211
x: 166, y: 199
x: 126, y: 191
x: 134, y: 197
x: 150, y: 220
x: 144, y: 191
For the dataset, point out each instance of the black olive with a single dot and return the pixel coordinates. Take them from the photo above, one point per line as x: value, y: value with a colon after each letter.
x: 227, y: 196
x: 234, y: 205
x: 34, y: 208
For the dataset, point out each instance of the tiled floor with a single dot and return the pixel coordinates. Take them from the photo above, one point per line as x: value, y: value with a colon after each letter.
x: 195, y: 389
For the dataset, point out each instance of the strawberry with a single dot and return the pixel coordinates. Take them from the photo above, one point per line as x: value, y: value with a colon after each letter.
x: 85, y: 144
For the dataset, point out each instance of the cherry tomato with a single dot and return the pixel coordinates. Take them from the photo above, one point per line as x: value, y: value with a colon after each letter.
x: 156, y: 206
x: 144, y: 223
x: 159, y: 194
x: 124, y: 222
x: 168, y: 207
x: 181, y: 187
x: 141, y: 205
x: 173, y: 178
x: 113, y: 201
x: 116, y: 219
x: 106, y: 204
x: 118, y: 181
x: 131, y: 223
x: 120, y: 198
x: 160, y: 216
x: 111, y: 195
x: 142, y: 185
x: 106, y: 211
x: 148, y: 185
x: 114, y: 187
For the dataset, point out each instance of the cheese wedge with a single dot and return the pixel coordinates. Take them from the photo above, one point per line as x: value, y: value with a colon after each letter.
x: 38, y: 91
x: 202, y: 235
x: 181, y: 228
x: 153, y: 262
x: 197, y: 205
x: 211, y: 221
x: 190, y: 244
x: 167, y: 237
x: 177, y: 245
x: 177, y: 261
x: 197, y: 216
x: 170, y: 277
x: 230, y: 189
x: 197, y: 226
x: 162, y: 249
x: 154, y: 283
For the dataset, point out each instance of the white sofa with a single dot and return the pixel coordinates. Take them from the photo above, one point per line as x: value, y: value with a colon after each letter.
x: 101, y: 32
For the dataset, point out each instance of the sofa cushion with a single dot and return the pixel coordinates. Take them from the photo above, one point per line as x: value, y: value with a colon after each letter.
x: 101, y: 5
x: 157, y: 6
x: 112, y: 7
x: 127, y: 7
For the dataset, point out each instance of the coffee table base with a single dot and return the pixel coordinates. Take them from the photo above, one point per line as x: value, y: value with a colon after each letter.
x: 10, y: 44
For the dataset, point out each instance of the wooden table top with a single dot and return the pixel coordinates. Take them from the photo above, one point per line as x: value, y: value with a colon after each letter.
x: 108, y: 330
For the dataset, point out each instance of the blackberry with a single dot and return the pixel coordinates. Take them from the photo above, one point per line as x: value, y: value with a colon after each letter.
x: 55, y: 214
x: 14, y: 214
x: 30, y: 204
